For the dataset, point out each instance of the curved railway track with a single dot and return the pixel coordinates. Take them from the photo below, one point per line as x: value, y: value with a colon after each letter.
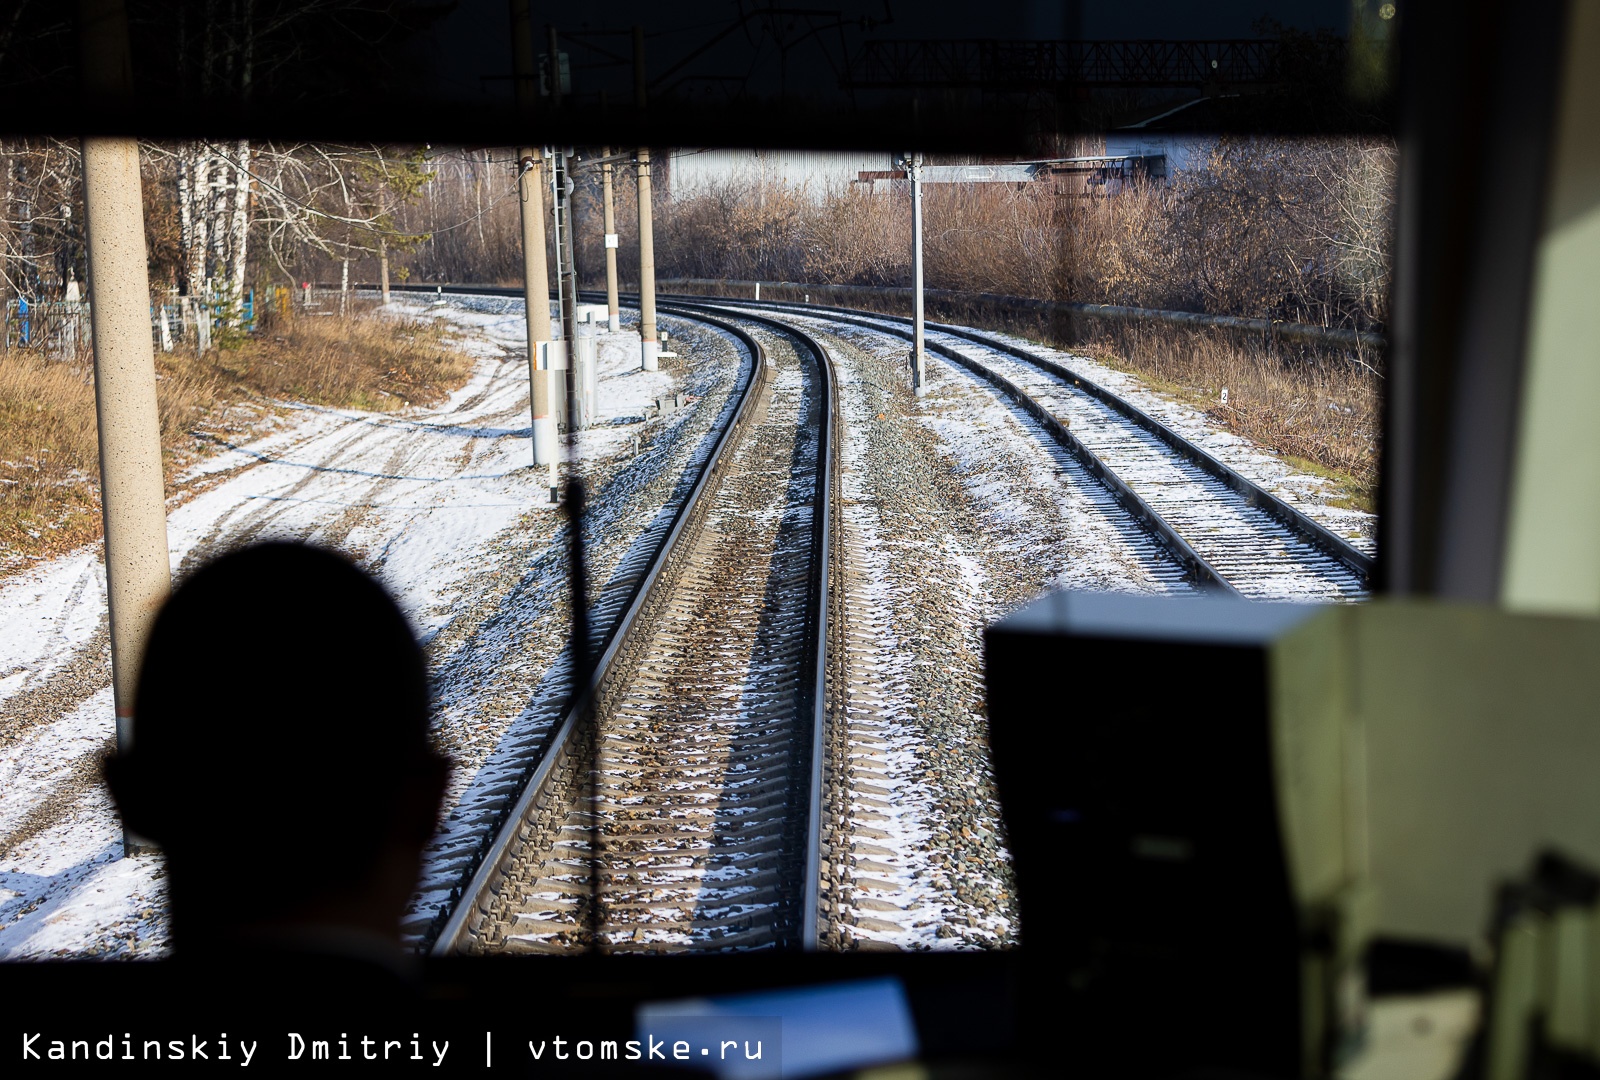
x: 678, y: 805
x: 1225, y: 530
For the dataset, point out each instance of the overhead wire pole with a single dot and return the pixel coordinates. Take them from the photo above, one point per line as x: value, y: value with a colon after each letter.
x: 649, y: 346
x: 138, y: 574
x: 613, y: 311
x: 536, y: 299
x: 535, y: 271
x: 919, y: 356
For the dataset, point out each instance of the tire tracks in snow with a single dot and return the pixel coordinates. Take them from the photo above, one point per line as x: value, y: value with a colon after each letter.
x: 88, y: 671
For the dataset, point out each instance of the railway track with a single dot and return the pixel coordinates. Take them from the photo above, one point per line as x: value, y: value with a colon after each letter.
x: 1225, y: 530
x: 678, y: 806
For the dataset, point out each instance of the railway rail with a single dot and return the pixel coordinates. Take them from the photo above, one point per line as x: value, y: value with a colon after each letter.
x: 678, y: 806
x: 1227, y: 531
x: 685, y: 814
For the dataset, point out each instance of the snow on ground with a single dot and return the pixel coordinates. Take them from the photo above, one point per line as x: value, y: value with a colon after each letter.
x: 67, y: 890
x: 1306, y: 492
x: 954, y: 509
x: 50, y: 610
x: 1036, y: 501
x: 501, y: 666
x: 416, y: 496
x: 437, y: 500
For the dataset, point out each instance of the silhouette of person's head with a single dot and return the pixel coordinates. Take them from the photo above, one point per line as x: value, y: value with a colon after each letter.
x: 280, y: 754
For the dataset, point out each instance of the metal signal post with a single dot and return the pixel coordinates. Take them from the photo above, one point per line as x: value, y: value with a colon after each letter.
x: 565, y: 237
x: 919, y: 357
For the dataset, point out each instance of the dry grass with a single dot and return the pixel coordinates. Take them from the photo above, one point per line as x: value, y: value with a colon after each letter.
x: 1291, y: 229
x: 1320, y: 412
x: 47, y: 458
x: 363, y: 362
x: 1296, y: 230
x: 1318, y: 408
x: 49, y: 469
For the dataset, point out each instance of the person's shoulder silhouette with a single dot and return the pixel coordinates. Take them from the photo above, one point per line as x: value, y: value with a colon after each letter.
x: 280, y: 759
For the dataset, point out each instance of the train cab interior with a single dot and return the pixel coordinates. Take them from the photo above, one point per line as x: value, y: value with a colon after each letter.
x: 1250, y: 839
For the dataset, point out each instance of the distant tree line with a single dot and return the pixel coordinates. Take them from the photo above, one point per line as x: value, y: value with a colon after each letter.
x: 217, y: 215
x: 1289, y: 229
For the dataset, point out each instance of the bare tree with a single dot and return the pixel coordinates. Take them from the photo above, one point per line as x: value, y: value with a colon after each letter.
x: 41, y: 239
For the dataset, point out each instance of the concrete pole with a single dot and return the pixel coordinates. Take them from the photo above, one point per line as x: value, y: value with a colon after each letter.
x: 919, y: 357
x: 649, y: 346
x: 613, y: 311
x: 535, y: 272
x: 536, y: 296
x: 131, y: 498
x: 138, y: 576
